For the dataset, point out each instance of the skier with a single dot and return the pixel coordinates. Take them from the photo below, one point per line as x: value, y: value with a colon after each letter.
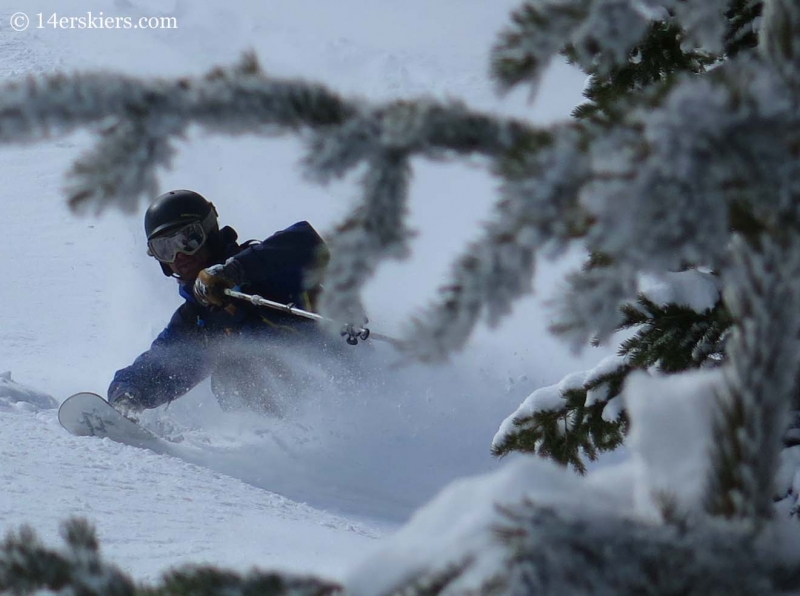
x: 209, y: 335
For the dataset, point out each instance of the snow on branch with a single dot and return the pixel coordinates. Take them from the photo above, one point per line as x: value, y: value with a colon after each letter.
x: 669, y: 182
x: 743, y: 25
x: 657, y: 183
x: 590, y: 309
x: 531, y: 528
x: 384, y: 138
x: 539, y: 30
x: 666, y: 185
x: 374, y: 230
x: 538, y: 206
x: 578, y: 417
x: 138, y: 118
x: 780, y: 36
x: 703, y: 21
x: 127, y: 142
x: 423, y: 127
x: 599, y: 34
x: 552, y: 550
x: 763, y: 294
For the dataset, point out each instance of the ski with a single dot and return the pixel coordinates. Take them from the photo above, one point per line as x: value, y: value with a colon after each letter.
x: 89, y: 415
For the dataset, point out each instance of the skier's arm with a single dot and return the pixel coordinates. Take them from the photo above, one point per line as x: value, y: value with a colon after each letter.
x: 175, y: 363
x: 288, y: 262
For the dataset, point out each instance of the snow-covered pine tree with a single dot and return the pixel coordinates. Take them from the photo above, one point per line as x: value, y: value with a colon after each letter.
x: 668, y: 336
x: 704, y: 171
x: 662, y: 53
x: 652, y: 62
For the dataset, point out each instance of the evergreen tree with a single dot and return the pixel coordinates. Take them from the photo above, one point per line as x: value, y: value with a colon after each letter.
x: 669, y: 338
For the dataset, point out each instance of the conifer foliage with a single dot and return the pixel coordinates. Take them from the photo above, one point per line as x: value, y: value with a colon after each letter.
x: 668, y: 337
x: 29, y: 567
x: 672, y: 337
x: 650, y: 63
x: 584, y: 416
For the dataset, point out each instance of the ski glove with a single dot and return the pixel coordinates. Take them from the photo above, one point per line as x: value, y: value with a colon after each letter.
x: 211, y: 282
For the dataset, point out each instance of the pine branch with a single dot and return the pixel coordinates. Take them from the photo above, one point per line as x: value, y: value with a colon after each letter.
x: 538, y: 31
x: 673, y: 337
x: 654, y: 61
x: 589, y: 310
x: 434, y: 582
x: 211, y: 581
x: 374, y: 230
x: 28, y: 567
x: 704, y: 22
x: 670, y: 338
x: 678, y: 184
x: 569, y: 421
x: 538, y: 207
x: 604, y: 41
x: 779, y: 32
x: 764, y: 297
x: 128, y: 142
x: 579, y: 546
x: 553, y: 551
x: 742, y: 33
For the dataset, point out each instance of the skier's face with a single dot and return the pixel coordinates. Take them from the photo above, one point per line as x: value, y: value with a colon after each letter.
x: 187, y: 267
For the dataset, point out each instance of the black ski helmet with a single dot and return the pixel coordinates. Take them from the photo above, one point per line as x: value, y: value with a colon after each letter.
x: 175, y: 209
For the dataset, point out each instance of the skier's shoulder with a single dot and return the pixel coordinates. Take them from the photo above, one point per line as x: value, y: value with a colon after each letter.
x: 300, y: 233
x: 299, y: 239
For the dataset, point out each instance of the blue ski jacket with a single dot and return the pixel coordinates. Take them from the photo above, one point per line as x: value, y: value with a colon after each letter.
x: 284, y: 268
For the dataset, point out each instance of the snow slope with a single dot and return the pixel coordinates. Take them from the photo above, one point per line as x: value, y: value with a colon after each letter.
x: 152, y: 511
x: 81, y: 298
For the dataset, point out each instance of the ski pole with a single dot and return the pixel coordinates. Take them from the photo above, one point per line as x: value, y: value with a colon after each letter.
x: 352, y: 333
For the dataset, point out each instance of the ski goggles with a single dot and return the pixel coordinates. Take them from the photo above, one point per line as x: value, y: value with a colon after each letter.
x: 187, y: 240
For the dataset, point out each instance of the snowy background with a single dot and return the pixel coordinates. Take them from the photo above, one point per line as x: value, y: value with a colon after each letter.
x: 319, y: 490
